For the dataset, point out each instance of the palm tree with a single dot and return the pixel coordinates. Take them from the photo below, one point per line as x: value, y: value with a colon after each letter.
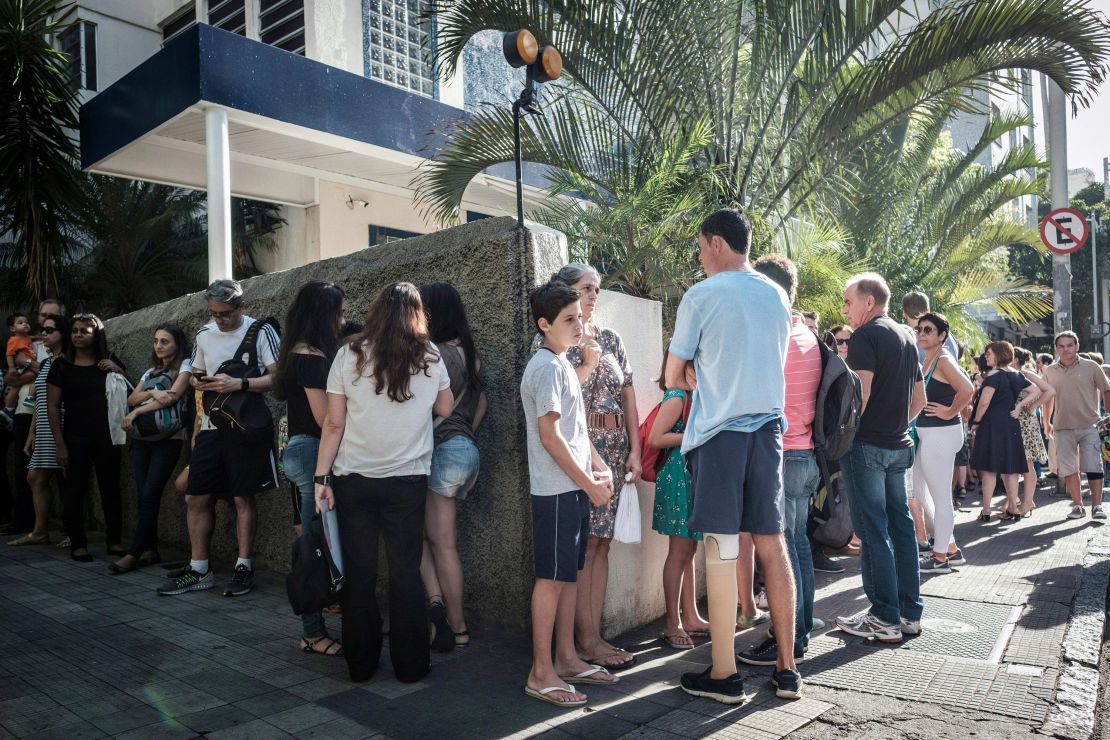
x: 929, y: 217
x: 39, y: 178
x: 140, y: 244
x: 790, y: 88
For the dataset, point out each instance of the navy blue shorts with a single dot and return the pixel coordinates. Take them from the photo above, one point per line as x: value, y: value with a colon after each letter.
x: 560, y: 528
x: 736, y: 482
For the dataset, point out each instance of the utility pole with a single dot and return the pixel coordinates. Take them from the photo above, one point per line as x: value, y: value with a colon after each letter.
x: 1092, y: 224
x: 1056, y: 120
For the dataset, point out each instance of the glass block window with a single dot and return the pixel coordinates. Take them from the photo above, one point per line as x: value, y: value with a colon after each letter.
x: 179, y: 23
x: 78, y: 43
x: 230, y: 15
x: 281, y: 24
x: 398, y: 49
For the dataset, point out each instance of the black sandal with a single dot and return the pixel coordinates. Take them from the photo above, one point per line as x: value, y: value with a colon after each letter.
x: 444, y: 640
x: 464, y: 633
x: 309, y: 646
x: 984, y: 517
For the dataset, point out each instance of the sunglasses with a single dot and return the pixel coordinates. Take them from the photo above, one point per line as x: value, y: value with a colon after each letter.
x: 924, y: 330
x: 49, y: 329
x: 841, y: 342
x: 222, y: 315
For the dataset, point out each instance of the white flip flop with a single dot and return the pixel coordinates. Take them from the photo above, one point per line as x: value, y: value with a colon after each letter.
x: 593, y: 670
x: 542, y: 695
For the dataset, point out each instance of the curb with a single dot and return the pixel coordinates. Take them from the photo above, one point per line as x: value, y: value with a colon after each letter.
x: 1072, y: 716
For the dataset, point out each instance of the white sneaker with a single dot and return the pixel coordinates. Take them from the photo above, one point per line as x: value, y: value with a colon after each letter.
x: 911, y: 626
x: 1097, y: 512
x: 865, y: 624
x: 761, y: 600
x: 1077, y: 512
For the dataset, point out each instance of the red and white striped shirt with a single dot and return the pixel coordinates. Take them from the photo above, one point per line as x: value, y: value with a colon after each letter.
x: 803, y: 376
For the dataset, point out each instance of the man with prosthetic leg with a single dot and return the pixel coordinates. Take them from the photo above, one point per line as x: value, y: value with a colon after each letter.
x: 729, y: 347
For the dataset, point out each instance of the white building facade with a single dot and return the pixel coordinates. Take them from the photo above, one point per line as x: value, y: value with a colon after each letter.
x: 327, y: 107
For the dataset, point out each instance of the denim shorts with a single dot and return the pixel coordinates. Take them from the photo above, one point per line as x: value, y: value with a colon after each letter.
x: 454, y: 468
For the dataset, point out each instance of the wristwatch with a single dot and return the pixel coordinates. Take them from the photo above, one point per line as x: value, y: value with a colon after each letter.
x: 245, y: 385
x: 323, y: 480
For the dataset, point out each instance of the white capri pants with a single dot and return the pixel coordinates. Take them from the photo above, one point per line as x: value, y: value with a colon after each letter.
x: 932, y: 478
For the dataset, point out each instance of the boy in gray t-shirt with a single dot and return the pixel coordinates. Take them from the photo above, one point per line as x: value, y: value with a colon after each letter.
x: 567, y: 475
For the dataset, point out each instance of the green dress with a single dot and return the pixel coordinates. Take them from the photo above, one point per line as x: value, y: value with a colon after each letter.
x: 672, y: 484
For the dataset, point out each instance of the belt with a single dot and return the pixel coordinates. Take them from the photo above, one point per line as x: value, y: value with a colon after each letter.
x: 605, y: 421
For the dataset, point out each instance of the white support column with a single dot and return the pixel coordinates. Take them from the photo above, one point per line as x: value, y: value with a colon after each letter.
x: 219, y: 193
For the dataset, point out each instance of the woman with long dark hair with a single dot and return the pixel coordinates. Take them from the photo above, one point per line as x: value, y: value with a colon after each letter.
x: 312, y: 331
x: 88, y: 381
x: 39, y: 445
x: 372, y: 468
x: 454, y: 464
x: 156, y: 424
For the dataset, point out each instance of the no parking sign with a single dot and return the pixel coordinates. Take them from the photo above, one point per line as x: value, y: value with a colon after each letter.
x: 1064, y: 230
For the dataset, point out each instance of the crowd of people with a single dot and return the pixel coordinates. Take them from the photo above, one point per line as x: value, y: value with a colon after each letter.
x: 760, y: 410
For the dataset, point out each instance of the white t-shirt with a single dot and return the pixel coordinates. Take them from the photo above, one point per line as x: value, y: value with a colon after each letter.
x: 549, y: 384
x: 383, y: 438
x: 213, y: 347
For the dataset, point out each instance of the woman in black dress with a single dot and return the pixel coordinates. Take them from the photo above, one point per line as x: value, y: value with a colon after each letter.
x: 997, y: 443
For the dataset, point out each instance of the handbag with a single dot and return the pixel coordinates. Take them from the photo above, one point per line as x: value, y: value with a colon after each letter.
x: 314, y: 581
x: 239, y: 411
x: 627, y: 526
x: 167, y: 421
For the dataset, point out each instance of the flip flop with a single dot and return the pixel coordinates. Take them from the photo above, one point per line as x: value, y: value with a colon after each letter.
x: 29, y: 540
x: 672, y: 641
x: 586, y: 676
x: 598, y: 660
x: 698, y: 633
x: 542, y: 695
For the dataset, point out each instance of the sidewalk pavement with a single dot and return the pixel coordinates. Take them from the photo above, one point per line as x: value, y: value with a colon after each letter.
x: 92, y: 655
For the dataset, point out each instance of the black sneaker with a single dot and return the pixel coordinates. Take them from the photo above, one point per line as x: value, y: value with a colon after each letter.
x: 242, y: 581
x: 787, y: 683
x: 188, y: 581
x: 822, y: 563
x: 725, y: 690
x: 766, y: 653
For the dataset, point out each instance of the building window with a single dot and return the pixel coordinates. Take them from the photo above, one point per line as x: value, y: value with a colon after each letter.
x: 398, y: 34
x: 178, y: 24
x: 384, y: 235
x: 230, y: 15
x: 281, y: 24
x: 78, y: 43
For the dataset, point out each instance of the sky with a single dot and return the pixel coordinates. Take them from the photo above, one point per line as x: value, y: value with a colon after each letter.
x: 1088, y: 142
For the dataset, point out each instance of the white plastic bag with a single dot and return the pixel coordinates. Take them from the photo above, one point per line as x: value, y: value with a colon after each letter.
x: 627, y: 527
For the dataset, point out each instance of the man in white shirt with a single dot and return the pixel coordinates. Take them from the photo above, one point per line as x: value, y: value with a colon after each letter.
x: 227, y: 463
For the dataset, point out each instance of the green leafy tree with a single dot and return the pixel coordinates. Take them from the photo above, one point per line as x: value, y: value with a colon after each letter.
x: 39, y: 180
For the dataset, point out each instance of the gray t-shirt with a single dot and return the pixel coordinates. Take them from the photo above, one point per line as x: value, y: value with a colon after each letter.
x: 549, y: 384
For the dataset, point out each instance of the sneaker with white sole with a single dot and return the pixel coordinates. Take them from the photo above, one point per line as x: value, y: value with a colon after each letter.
x: 188, y: 581
x: 747, y: 622
x: 761, y: 600
x: 866, y: 624
x: 1097, y: 512
x: 957, y: 558
x: 1077, y: 512
x: 911, y: 626
x: 929, y: 564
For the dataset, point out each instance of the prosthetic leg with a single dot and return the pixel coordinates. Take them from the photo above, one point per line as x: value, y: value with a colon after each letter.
x: 721, y: 552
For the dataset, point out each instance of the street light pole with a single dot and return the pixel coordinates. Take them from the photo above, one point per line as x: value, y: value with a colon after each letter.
x: 1092, y: 224
x: 1057, y: 122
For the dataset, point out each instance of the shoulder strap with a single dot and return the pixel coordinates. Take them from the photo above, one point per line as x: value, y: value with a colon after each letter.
x: 250, y: 343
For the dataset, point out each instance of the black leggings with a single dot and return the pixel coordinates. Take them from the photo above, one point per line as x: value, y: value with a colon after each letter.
x: 87, y: 454
x: 393, y: 508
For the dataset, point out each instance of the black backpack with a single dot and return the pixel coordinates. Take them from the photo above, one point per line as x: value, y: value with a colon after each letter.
x: 242, y: 412
x: 313, y: 581
x: 839, y: 406
x: 830, y: 518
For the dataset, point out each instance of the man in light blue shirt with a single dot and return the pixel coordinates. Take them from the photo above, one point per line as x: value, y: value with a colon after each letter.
x: 731, y: 332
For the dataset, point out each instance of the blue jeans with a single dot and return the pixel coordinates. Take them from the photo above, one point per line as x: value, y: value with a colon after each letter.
x: 152, y: 464
x: 800, y: 478
x: 299, y: 463
x: 875, y: 479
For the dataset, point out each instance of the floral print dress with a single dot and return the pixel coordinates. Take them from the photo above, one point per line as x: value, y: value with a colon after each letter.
x: 1031, y: 434
x: 672, y: 486
x: 601, y: 394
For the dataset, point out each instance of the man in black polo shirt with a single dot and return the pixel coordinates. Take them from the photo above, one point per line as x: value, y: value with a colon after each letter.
x: 885, y: 358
